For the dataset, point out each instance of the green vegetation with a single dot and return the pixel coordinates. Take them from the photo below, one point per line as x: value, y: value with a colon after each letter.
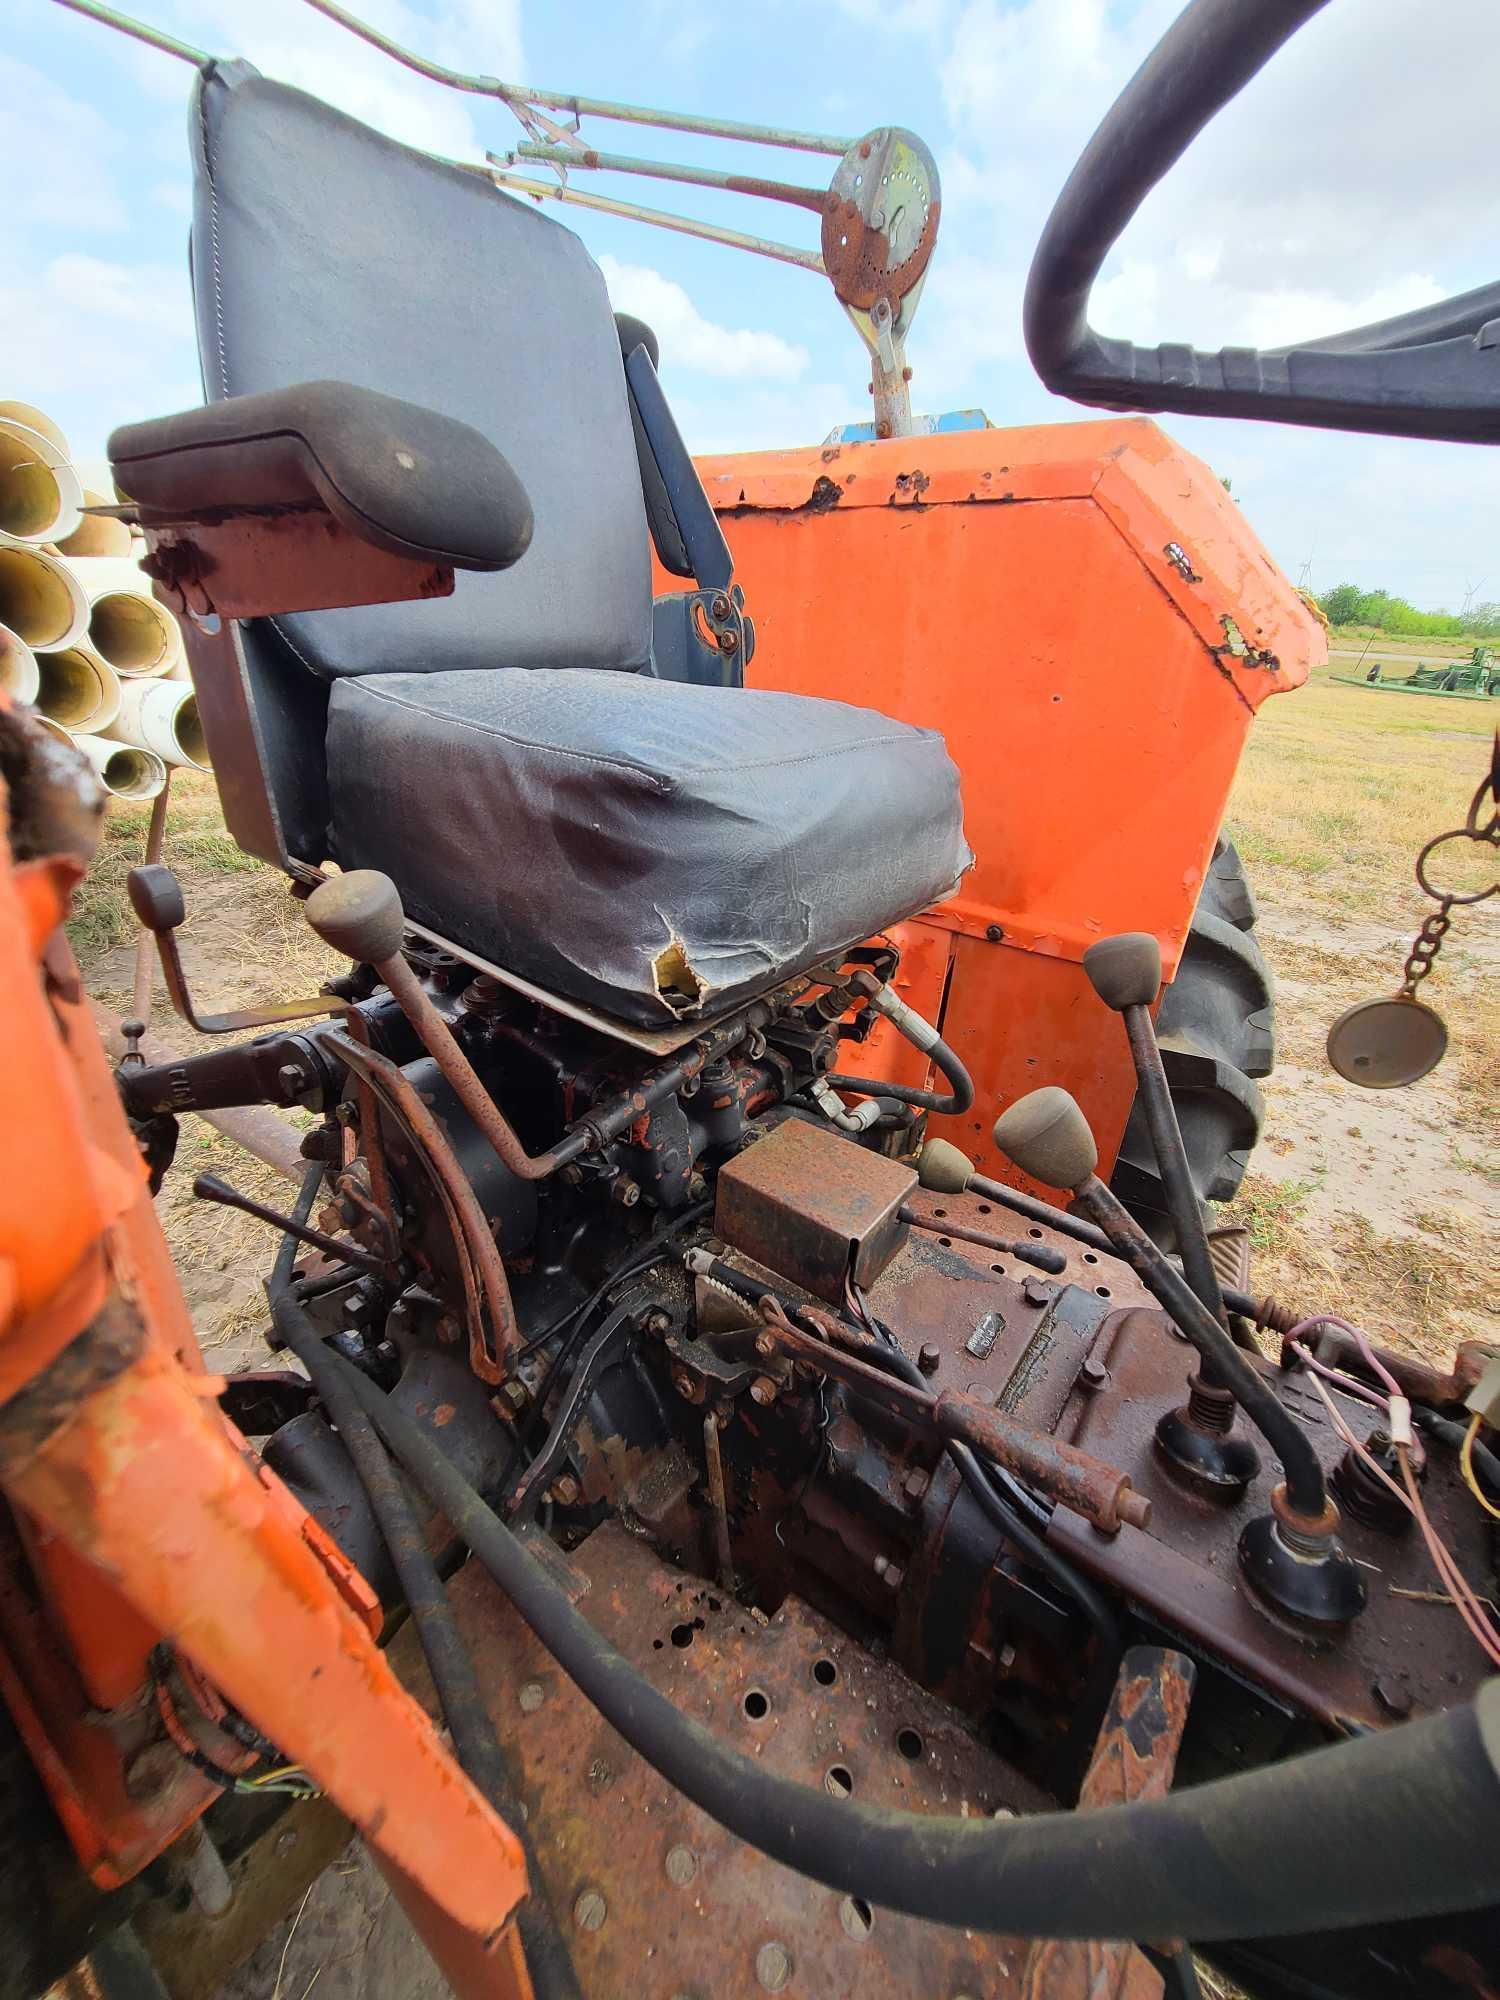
x: 1347, y: 604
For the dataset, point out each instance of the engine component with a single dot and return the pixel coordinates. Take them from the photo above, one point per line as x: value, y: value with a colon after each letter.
x: 817, y: 1209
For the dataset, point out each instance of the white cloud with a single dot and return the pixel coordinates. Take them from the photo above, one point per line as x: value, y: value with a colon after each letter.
x: 688, y: 340
x: 62, y: 157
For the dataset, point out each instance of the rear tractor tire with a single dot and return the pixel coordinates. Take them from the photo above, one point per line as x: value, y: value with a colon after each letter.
x: 1217, y: 1030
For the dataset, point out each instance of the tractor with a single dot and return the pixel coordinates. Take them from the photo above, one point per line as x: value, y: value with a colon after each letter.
x: 725, y: 1511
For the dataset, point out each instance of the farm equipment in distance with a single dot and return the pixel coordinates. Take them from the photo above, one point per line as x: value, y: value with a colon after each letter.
x: 1474, y: 679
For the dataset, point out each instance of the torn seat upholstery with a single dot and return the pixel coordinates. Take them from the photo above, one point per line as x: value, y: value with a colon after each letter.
x: 651, y: 849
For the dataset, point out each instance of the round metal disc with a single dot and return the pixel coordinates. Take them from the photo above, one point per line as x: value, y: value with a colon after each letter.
x: 880, y: 220
x: 1386, y: 1044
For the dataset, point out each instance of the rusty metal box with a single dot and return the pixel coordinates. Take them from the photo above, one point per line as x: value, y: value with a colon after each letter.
x: 815, y: 1207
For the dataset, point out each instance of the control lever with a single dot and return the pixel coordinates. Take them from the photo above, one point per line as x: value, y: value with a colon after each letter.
x: 1291, y: 1556
x: 1198, y: 1439
x: 1042, y: 1255
x: 208, y: 1187
x: 156, y: 898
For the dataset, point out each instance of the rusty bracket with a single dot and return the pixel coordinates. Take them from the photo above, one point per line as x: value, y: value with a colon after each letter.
x: 1103, y: 1495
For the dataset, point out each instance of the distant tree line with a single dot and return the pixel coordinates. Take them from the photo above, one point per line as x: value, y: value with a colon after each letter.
x: 1347, y: 604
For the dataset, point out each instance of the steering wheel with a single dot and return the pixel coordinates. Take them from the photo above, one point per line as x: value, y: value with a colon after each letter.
x: 1433, y: 373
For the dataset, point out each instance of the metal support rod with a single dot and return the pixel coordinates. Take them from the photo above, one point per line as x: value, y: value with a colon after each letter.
x: 665, y: 170
x: 1042, y: 1255
x: 1155, y: 1095
x: 520, y: 96
x: 660, y: 218
x: 208, y: 1187
x: 713, y: 1459
x: 137, y: 30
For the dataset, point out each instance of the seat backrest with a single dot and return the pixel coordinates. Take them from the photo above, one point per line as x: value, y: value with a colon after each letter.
x: 324, y: 251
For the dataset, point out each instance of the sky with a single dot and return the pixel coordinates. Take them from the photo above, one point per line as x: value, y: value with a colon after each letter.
x: 1348, y: 182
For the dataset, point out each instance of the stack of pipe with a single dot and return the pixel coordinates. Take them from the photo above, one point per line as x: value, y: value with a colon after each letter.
x: 82, y: 639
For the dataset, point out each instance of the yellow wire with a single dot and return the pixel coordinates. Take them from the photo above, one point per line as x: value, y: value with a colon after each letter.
x: 1466, y: 1467
x: 270, y: 1777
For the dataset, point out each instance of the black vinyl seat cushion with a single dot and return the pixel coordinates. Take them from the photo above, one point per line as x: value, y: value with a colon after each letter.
x: 658, y: 851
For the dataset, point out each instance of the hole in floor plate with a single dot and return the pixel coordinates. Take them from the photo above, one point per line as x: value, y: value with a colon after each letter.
x: 1102, y: 1290
x: 838, y: 1780
x: 946, y: 1242
x: 909, y: 1743
x: 938, y: 1214
x: 682, y: 1635
x: 856, y: 1916
x: 657, y: 1644
x: 1033, y: 1232
x: 757, y: 1704
x: 1090, y: 1257
x: 825, y: 1673
x: 998, y: 1269
x: 984, y: 1208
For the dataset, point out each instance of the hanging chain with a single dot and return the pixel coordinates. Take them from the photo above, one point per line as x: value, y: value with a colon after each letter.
x: 1425, y: 948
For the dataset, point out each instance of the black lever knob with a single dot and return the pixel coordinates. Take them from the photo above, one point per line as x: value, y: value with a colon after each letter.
x: 156, y: 897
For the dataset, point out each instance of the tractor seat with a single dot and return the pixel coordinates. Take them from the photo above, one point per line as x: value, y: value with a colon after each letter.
x: 531, y: 756
x: 657, y: 850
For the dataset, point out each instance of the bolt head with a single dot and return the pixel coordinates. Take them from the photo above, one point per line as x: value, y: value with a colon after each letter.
x: 773, y: 1966
x: 681, y: 1865
x: 763, y: 1390
x: 563, y: 1492
x: 929, y: 1358
x: 590, y: 1911
x: 530, y: 1696
x: 994, y: 933
x: 916, y: 1484
x: 290, y: 1079
x: 515, y: 1394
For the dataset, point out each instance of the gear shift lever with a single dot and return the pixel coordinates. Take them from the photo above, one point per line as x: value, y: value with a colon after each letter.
x: 1292, y: 1556
x: 1198, y: 1439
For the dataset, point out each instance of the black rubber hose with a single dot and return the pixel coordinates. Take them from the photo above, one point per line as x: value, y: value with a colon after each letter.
x: 959, y: 1098
x: 1452, y: 1433
x: 1399, y: 1823
x: 449, y: 1662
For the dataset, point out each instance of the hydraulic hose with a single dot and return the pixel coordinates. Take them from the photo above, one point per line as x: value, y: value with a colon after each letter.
x: 1403, y: 1823
x: 922, y: 1035
x: 449, y: 1662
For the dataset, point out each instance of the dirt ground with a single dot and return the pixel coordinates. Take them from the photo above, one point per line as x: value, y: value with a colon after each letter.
x: 1389, y: 1201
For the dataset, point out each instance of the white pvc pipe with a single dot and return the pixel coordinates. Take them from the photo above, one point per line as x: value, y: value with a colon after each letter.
x: 161, y: 716
x: 40, y: 493
x: 36, y: 420
x: 125, y: 771
x: 40, y: 599
x: 133, y: 632
x: 78, y: 689
x: 19, y: 675
x: 97, y: 535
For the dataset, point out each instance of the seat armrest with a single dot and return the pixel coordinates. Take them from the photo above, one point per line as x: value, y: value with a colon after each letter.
x: 321, y: 494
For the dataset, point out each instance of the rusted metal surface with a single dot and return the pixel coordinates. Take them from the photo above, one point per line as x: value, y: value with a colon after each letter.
x: 667, y: 170
x: 477, y: 1249
x: 859, y: 254
x: 655, y: 1899
x: 1134, y: 1758
x: 714, y: 1463
x: 815, y: 1208
x: 247, y: 564
x: 1186, y: 1568
x: 1100, y: 1493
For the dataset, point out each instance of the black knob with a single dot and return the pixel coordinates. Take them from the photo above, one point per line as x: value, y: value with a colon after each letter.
x: 156, y: 897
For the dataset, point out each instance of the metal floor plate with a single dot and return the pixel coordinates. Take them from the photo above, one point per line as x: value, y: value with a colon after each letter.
x: 654, y: 1899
